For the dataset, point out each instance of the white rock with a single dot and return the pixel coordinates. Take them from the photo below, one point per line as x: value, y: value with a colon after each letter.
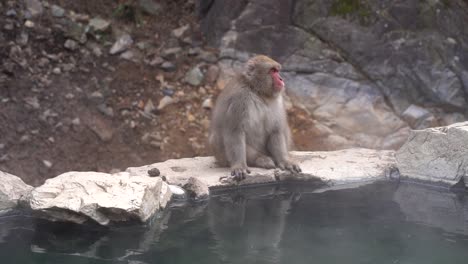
x: 207, y: 104
x: 179, y: 32
x: 333, y: 168
x: 436, y: 154
x: 102, y: 197
x: 176, y: 190
x: 29, y: 24
x: 122, y: 44
x: 99, y: 24
x: 165, y: 101
x: 12, y: 189
x: 47, y: 163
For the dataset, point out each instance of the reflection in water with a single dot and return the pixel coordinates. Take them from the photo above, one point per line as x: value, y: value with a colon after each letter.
x: 380, y: 223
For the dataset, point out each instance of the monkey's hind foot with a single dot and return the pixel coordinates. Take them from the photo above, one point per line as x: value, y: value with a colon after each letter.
x: 239, y: 173
x: 290, y: 166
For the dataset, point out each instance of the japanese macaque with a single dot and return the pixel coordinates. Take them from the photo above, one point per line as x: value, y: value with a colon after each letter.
x: 249, y: 125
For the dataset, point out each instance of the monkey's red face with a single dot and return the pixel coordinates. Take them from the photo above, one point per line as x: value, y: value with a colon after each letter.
x: 278, y: 83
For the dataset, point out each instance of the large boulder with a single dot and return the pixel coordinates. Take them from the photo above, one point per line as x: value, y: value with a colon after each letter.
x: 332, y: 169
x: 357, y: 68
x: 436, y: 154
x: 104, y: 198
x: 12, y: 190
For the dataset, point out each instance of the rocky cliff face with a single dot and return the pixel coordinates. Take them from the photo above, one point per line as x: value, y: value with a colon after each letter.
x: 367, y: 70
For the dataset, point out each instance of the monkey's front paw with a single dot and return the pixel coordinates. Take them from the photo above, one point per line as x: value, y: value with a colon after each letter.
x: 290, y: 166
x: 239, y: 173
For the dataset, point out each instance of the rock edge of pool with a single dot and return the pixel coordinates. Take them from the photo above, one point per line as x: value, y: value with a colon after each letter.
x: 434, y: 156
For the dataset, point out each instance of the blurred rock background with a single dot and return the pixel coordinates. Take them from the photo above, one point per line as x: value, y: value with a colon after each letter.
x: 104, y: 85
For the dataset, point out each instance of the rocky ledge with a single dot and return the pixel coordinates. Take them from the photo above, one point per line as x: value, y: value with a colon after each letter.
x: 435, y: 155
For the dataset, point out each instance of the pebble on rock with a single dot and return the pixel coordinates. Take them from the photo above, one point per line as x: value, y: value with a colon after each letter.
x: 154, y: 172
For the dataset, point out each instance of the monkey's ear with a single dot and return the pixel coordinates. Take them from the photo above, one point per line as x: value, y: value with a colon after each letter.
x: 249, y: 69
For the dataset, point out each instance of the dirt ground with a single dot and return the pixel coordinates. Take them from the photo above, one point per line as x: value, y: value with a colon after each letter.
x: 92, y: 117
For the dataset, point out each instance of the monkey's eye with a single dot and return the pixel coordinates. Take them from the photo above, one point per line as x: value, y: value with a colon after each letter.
x: 273, y: 70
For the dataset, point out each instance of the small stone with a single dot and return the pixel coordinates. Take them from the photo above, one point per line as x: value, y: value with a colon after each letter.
x: 415, y: 115
x: 68, y: 67
x: 149, y: 107
x: 2, y: 146
x: 22, y: 39
x: 191, y: 118
x: 165, y: 101
x: 127, y: 55
x: 143, y: 45
x: 171, y: 53
x: 57, y: 70
x: 194, y: 77
x: 33, y: 102
x: 11, y: 13
x: 4, y: 158
x: 75, y: 31
x: 9, y: 27
x: 196, y: 189
x: 71, y: 44
x: 69, y: 96
x: 168, y: 66
x: 43, y: 62
x: 179, y: 32
x: 106, y: 110
x: 194, y: 51
x: 451, y: 41
x: 212, y: 74
x: 154, y: 172
x: 25, y: 138
x: 51, y: 139
x: 168, y: 91
x: 34, y: 7
x: 96, y: 95
x: 99, y: 24
x: 76, y: 122
x: 57, y: 11
x: 47, y: 163
x: 150, y: 7
x: 156, y: 61
x: 208, y: 57
x: 122, y: 44
x: 178, y: 192
x: 207, y: 104
x: 29, y: 24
